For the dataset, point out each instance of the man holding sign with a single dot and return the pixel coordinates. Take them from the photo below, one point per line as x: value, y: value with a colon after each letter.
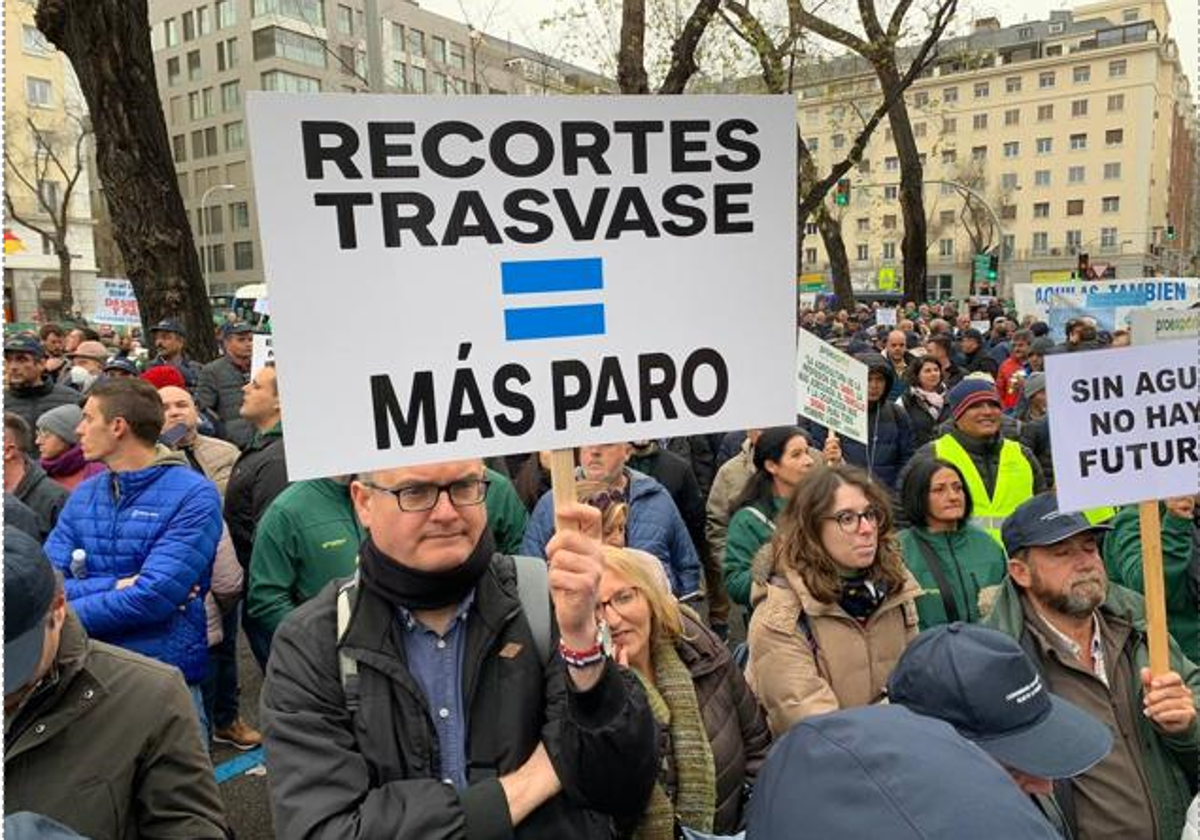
x: 1088, y: 639
x: 449, y: 723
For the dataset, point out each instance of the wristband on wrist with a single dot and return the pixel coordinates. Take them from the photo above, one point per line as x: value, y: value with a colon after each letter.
x: 581, y: 658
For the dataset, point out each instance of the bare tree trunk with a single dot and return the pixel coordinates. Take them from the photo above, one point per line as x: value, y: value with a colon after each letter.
x: 63, y: 251
x: 912, y: 188
x: 631, y: 61
x: 108, y: 43
x: 835, y: 248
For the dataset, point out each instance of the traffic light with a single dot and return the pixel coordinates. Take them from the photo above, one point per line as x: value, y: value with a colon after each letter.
x: 842, y: 197
x: 993, y: 269
x: 1084, y: 264
x: 1170, y: 233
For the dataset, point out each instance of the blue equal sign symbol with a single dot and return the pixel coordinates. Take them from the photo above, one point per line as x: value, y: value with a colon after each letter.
x: 527, y: 277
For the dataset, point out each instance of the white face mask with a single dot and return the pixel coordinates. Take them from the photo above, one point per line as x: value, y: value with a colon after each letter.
x: 82, y: 378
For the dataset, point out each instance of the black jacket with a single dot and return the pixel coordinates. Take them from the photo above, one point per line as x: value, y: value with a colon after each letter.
x: 219, y: 391
x: 673, y: 472
x: 259, y: 475
x: 374, y: 772
x: 924, y: 426
x: 31, y: 403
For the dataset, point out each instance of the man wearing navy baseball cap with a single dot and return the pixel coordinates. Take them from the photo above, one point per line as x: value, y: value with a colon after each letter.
x: 979, y: 681
x: 75, y: 708
x: 1087, y: 637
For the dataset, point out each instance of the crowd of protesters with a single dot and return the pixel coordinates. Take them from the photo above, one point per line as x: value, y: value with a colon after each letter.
x: 948, y: 652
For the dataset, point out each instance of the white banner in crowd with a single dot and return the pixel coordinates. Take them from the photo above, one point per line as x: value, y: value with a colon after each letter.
x: 885, y: 317
x: 524, y: 274
x: 831, y: 387
x: 1150, y: 325
x: 1111, y: 302
x: 1124, y: 424
x: 263, y: 352
x: 116, y: 304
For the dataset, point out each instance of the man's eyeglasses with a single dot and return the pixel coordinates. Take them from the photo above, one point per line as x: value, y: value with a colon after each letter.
x: 850, y: 521
x: 418, y: 498
x: 620, y: 601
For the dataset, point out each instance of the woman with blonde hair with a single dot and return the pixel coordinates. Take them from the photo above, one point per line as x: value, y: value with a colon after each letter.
x: 713, y: 735
x: 839, y: 606
x: 614, y: 509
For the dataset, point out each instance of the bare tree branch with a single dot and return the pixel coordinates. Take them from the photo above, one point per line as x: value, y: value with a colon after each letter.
x: 683, y: 51
x: 631, y: 60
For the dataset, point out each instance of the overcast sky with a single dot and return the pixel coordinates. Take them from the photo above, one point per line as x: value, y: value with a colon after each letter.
x: 518, y: 19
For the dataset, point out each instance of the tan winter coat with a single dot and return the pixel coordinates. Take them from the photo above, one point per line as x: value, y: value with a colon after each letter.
x: 842, y: 664
x: 216, y: 458
x: 731, y: 481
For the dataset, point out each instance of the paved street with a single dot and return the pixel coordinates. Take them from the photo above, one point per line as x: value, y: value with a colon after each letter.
x: 245, y: 795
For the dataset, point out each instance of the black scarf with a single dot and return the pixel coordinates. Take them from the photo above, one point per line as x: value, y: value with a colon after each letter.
x: 862, y: 596
x: 414, y: 589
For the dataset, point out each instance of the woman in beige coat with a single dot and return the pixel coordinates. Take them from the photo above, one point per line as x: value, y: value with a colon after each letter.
x: 838, y: 607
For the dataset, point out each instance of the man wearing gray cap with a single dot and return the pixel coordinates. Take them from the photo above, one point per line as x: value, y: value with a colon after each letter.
x: 98, y: 738
x: 1087, y: 637
x: 219, y: 391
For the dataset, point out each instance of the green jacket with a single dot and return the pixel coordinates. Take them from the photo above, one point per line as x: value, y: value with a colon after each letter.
x: 308, y: 536
x: 748, y: 531
x: 971, y: 561
x: 506, y: 513
x: 1123, y: 557
x: 1166, y: 759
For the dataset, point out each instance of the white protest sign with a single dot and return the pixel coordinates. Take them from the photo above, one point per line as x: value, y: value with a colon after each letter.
x: 885, y: 317
x: 1124, y: 424
x: 116, y: 304
x: 524, y: 274
x: 831, y: 387
x: 984, y: 327
x: 1150, y: 325
x: 262, y: 306
x: 263, y: 352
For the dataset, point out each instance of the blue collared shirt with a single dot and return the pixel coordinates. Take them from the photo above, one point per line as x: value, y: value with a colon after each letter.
x: 436, y: 663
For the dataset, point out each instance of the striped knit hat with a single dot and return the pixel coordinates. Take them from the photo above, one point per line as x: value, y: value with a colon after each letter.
x: 971, y: 392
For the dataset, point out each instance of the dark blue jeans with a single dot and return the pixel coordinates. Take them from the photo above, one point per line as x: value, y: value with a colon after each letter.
x: 259, y: 637
x: 220, y: 685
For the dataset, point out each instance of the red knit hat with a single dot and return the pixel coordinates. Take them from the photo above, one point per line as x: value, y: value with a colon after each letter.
x: 160, y: 376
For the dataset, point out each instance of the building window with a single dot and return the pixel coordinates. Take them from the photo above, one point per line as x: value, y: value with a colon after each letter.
x: 810, y: 228
x: 1041, y: 242
x: 1079, y: 108
x: 1054, y: 49
x: 1078, y: 142
x: 458, y: 56
x: 979, y: 122
x: 171, y: 32
x: 1114, y: 137
x: 193, y: 64
x: 227, y: 54
x: 1110, y: 204
x: 416, y: 42
x: 919, y: 129
x: 1076, y: 175
x: 950, y: 94
x: 33, y: 41
x: 1008, y: 246
x: 921, y: 99
x: 1045, y: 145
x: 239, y: 216
x: 179, y: 148
x: 864, y: 166
x: 1012, y: 116
x: 1012, y: 149
x: 284, y: 43
x: 810, y: 256
x: 839, y: 140
x: 1045, y: 113
x: 1041, y: 178
x: 226, y: 13
x: 311, y: 12
x: 172, y: 71
x: 437, y: 49
x: 979, y: 153
x: 346, y: 59
x: 416, y: 79
x: 210, y: 142
x: 198, y: 144
x: 39, y: 92
x: 949, y: 125
x: 1108, y: 237
x: 1112, y: 171
x: 345, y: 26
x: 209, y: 102
x: 862, y: 252
x: 890, y: 193
x: 1046, y: 79
x: 289, y: 82
x: 949, y: 156
x: 1041, y: 210
x: 189, y: 26
x: 235, y: 136
x: 1012, y: 84
x: 231, y: 96
x: 203, y: 21
x: 400, y: 77
x: 1074, y: 240
x: 981, y: 90
x: 1081, y: 74
x: 243, y: 256
x: 1008, y: 212
x: 1116, y: 102
x: 891, y: 164
x: 194, y: 110
x: 946, y: 218
x: 889, y: 221
x: 1025, y: 33
x: 1008, y: 181
x: 1117, y: 68
x: 889, y: 250
x: 946, y: 247
x: 1075, y: 207
x: 1129, y: 15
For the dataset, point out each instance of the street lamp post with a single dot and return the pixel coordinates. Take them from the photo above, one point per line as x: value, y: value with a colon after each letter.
x: 204, y: 226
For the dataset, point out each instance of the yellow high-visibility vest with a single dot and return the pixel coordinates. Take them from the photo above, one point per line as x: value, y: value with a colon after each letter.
x: 1014, y: 483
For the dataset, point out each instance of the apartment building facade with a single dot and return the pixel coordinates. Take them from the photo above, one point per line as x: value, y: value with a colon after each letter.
x: 44, y: 101
x: 1079, y: 132
x: 209, y: 53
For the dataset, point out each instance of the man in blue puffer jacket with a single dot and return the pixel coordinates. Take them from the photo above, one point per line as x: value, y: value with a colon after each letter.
x: 654, y: 524
x: 135, y: 545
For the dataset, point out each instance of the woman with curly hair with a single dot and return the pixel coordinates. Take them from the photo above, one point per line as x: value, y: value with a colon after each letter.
x: 839, y: 606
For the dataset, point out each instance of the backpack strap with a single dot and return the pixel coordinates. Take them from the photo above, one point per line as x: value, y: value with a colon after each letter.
x: 533, y: 588
x: 347, y: 667
x: 762, y: 517
x: 939, y: 574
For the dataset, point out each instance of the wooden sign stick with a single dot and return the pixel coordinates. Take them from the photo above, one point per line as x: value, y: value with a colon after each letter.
x: 562, y: 480
x: 1155, y: 591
